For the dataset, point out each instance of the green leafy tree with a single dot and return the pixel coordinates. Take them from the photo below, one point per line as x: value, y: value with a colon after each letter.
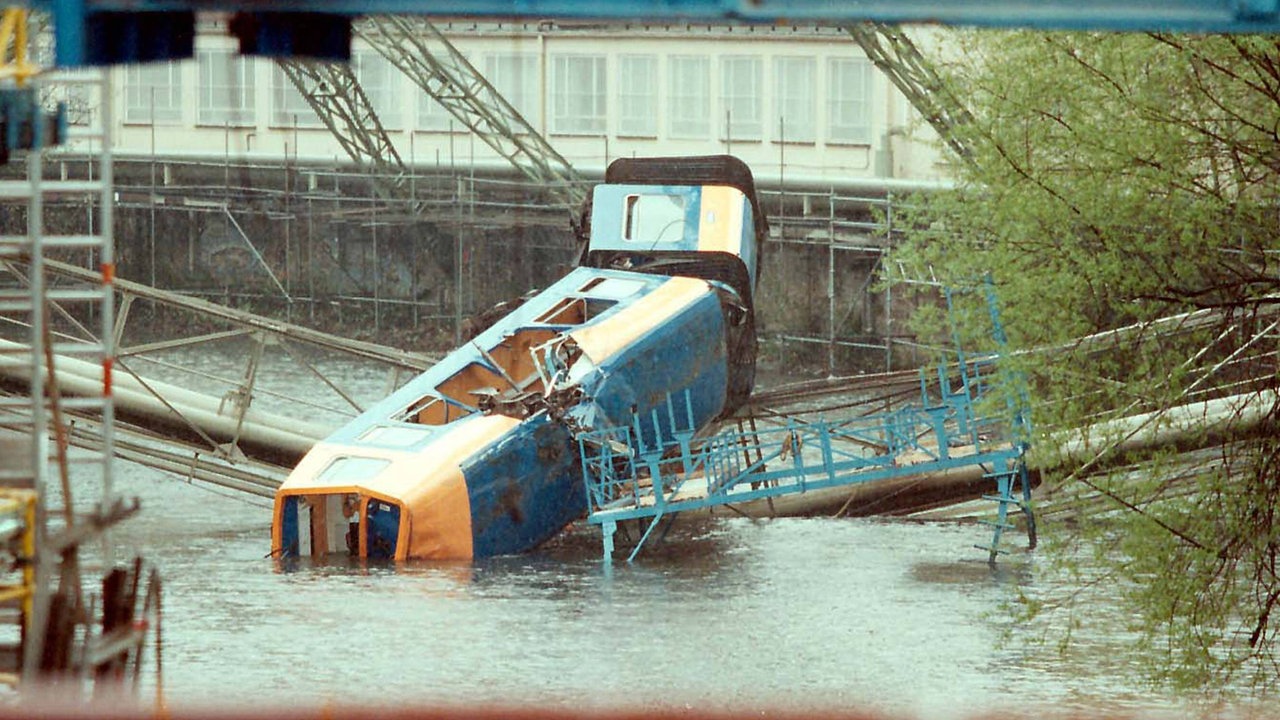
x: 1117, y: 180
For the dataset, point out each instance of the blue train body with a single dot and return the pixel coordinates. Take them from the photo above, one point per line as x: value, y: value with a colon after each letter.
x: 476, y: 456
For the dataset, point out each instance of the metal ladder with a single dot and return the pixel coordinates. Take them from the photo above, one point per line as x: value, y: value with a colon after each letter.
x: 1015, y: 471
x: 34, y: 302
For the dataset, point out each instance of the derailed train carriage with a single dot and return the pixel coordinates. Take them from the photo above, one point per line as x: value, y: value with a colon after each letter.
x: 477, y: 456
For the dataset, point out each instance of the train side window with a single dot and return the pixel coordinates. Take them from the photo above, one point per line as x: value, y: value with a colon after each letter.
x: 653, y: 219
x: 395, y: 436
x: 349, y: 469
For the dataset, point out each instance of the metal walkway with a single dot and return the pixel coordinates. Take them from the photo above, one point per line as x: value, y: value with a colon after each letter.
x: 657, y: 467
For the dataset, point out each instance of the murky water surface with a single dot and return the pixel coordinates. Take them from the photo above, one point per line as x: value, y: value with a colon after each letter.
x: 786, y: 614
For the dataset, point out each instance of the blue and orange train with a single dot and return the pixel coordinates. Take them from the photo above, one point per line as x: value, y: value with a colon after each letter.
x: 477, y: 457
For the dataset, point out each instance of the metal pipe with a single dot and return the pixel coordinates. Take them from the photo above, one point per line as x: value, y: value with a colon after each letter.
x: 277, y: 433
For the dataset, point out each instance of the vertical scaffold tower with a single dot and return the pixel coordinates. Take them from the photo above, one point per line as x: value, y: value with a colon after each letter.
x: 49, y: 592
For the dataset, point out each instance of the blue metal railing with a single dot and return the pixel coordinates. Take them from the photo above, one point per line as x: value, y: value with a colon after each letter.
x: 648, y: 470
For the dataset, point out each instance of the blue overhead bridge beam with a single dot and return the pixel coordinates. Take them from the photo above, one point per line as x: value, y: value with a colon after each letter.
x: 102, y: 32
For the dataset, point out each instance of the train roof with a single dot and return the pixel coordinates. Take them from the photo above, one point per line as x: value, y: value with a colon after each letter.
x: 685, y: 170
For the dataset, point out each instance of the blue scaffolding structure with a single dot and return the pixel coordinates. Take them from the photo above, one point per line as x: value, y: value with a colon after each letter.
x: 658, y: 466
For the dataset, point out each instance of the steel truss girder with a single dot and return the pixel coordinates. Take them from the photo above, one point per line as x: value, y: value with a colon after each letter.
x: 333, y: 91
x: 1179, y: 15
x: 893, y: 53
x: 421, y: 51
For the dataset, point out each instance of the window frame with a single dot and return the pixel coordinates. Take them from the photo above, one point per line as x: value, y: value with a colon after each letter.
x: 528, y: 100
x: 242, y: 85
x: 641, y: 107
x: 785, y: 96
x: 843, y: 133
x: 729, y: 99
x: 564, y: 92
x: 136, y: 89
x: 380, y: 82
x: 684, y: 125
x: 280, y: 114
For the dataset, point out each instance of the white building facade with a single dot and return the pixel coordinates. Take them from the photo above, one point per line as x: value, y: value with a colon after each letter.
x: 803, y: 103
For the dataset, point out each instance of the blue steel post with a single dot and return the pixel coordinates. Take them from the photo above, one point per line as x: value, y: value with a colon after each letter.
x: 1026, y: 503
x: 938, y: 419
x: 826, y: 454
x: 1002, y: 514
x: 608, y: 528
x: 1017, y: 402
x: 69, y: 18
x: 685, y: 437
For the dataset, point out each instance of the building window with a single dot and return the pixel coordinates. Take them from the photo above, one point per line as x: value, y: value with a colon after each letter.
x: 794, y: 91
x: 849, y: 101
x: 288, y: 107
x: 432, y: 116
x: 225, y: 88
x: 690, y: 105
x: 579, y: 91
x: 515, y: 77
x: 378, y: 79
x: 82, y: 97
x: 638, y: 96
x: 740, y: 88
x: 435, y: 117
x: 153, y: 91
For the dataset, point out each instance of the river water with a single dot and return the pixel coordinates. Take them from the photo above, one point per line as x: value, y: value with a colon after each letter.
x: 788, y: 614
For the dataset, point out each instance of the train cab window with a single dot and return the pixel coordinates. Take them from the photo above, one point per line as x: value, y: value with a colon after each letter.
x: 381, y: 530
x: 653, y: 219
x: 322, y: 524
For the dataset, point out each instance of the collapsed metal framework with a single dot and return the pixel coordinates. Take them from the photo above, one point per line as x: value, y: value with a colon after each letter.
x: 421, y: 51
x: 656, y: 467
x: 895, y: 55
x: 226, y: 440
x: 659, y: 466
x: 334, y: 93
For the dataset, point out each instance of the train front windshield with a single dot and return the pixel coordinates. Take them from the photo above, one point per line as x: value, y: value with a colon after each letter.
x: 338, y: 524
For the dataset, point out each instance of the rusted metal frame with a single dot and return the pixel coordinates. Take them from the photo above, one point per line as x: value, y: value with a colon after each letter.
x: 122, y: 316
x: 229, y: 381
x: 137, y: 351
x: 194, y: 463
x: 213, y: 444
x: 56, y: 306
